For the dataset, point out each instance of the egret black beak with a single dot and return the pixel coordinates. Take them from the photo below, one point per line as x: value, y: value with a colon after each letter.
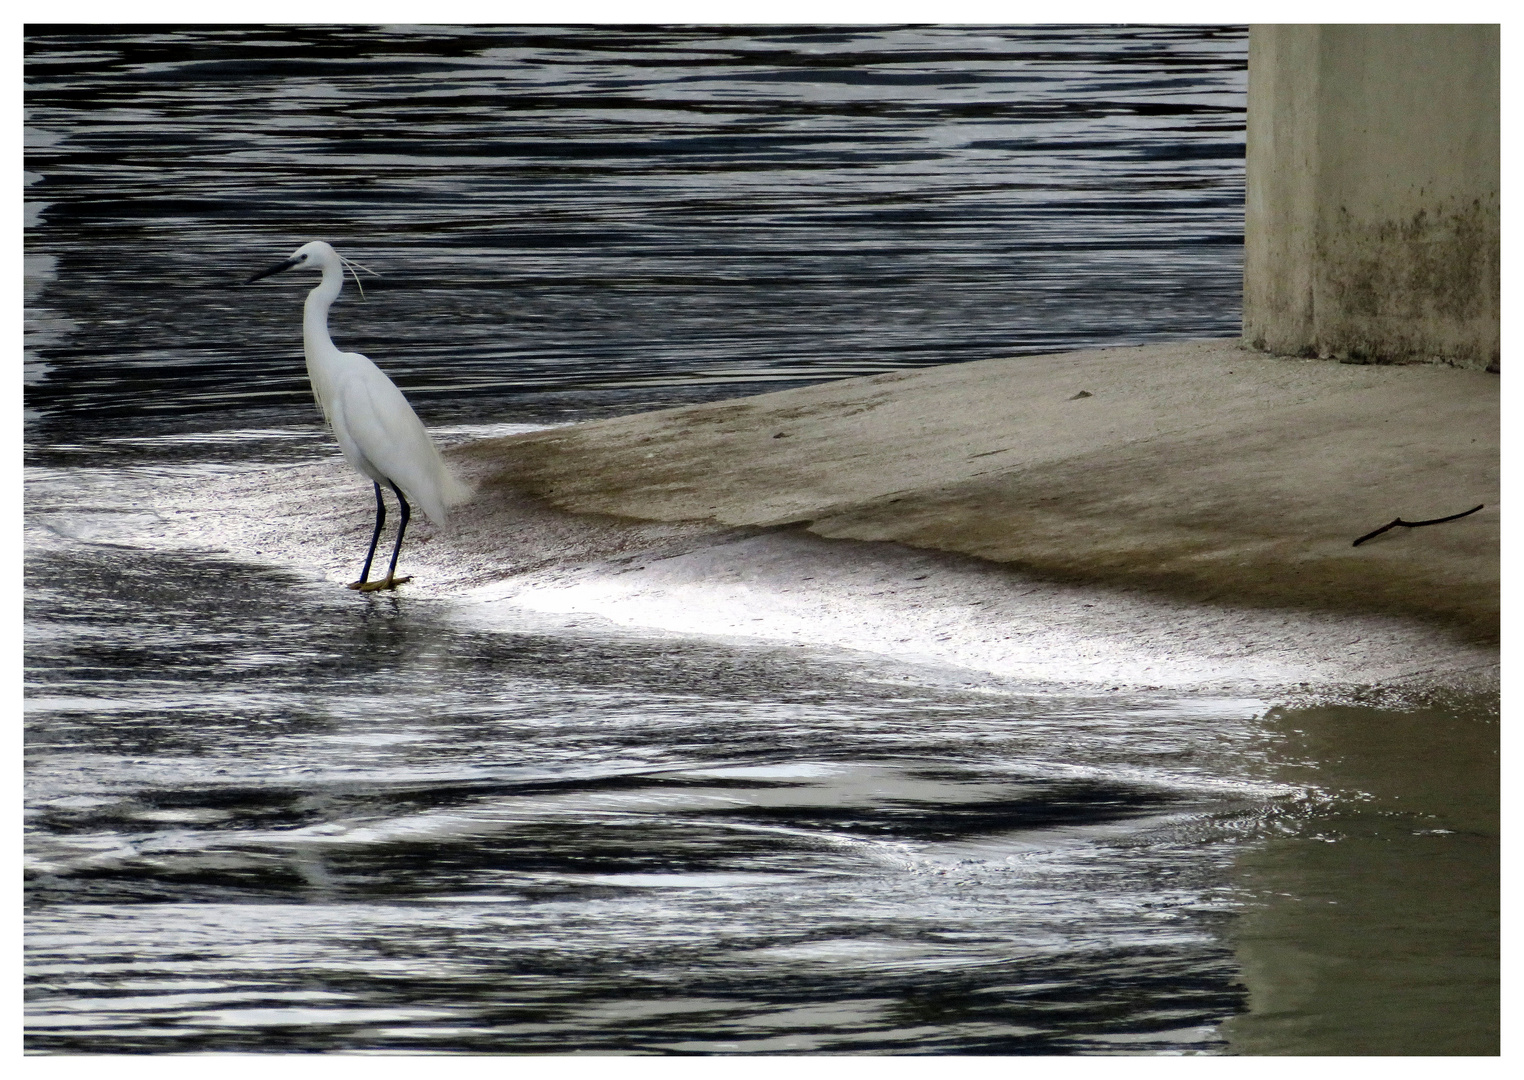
x: 277, y: 268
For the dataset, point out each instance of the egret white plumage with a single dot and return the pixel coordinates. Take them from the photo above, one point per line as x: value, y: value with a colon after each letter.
x: 377, y: 429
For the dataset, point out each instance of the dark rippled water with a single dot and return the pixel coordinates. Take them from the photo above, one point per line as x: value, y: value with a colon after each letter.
x: 271, y: 820
x: 263, y: 815
x: 645, y: 213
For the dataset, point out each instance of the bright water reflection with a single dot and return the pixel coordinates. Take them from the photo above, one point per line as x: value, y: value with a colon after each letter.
x: 271, y: 817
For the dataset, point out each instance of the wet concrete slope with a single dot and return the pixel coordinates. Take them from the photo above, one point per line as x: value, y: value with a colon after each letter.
x: 1199, y: 470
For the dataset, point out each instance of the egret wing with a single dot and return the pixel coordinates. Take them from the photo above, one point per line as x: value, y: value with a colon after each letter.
x: 385, y: 440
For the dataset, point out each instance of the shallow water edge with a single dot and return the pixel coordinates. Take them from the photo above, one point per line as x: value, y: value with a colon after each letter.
x: 664, y: 724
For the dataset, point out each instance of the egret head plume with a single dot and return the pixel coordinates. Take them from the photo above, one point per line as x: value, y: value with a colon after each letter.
x: 351, y: 265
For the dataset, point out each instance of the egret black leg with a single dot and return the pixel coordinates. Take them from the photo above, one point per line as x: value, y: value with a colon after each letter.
x: 374, y: 538
x: 391, y: 581
x: 402, y: 528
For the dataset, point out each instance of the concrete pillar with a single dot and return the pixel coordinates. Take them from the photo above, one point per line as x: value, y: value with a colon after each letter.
x: 1371, y: 227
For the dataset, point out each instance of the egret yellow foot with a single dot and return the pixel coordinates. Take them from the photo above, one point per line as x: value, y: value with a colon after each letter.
x: 384, y: 583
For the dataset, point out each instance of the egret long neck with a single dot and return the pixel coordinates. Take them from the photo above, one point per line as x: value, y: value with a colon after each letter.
x: 315, y: 314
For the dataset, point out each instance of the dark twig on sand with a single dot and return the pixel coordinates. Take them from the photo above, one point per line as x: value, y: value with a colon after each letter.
x: 1414, y: 524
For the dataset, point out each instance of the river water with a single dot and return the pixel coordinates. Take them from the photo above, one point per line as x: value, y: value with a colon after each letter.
x: 266, y: 814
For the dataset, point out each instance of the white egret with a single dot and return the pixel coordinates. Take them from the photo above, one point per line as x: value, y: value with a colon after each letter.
x: 377, y: 429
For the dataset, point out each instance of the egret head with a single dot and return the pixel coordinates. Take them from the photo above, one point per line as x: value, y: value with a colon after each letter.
x: 314, y: 256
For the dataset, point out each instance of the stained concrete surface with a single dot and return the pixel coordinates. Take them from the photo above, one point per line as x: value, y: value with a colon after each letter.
x: 1371, y: 223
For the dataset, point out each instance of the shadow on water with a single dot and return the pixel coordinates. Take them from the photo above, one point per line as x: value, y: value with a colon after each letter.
x: 1373, y: 923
